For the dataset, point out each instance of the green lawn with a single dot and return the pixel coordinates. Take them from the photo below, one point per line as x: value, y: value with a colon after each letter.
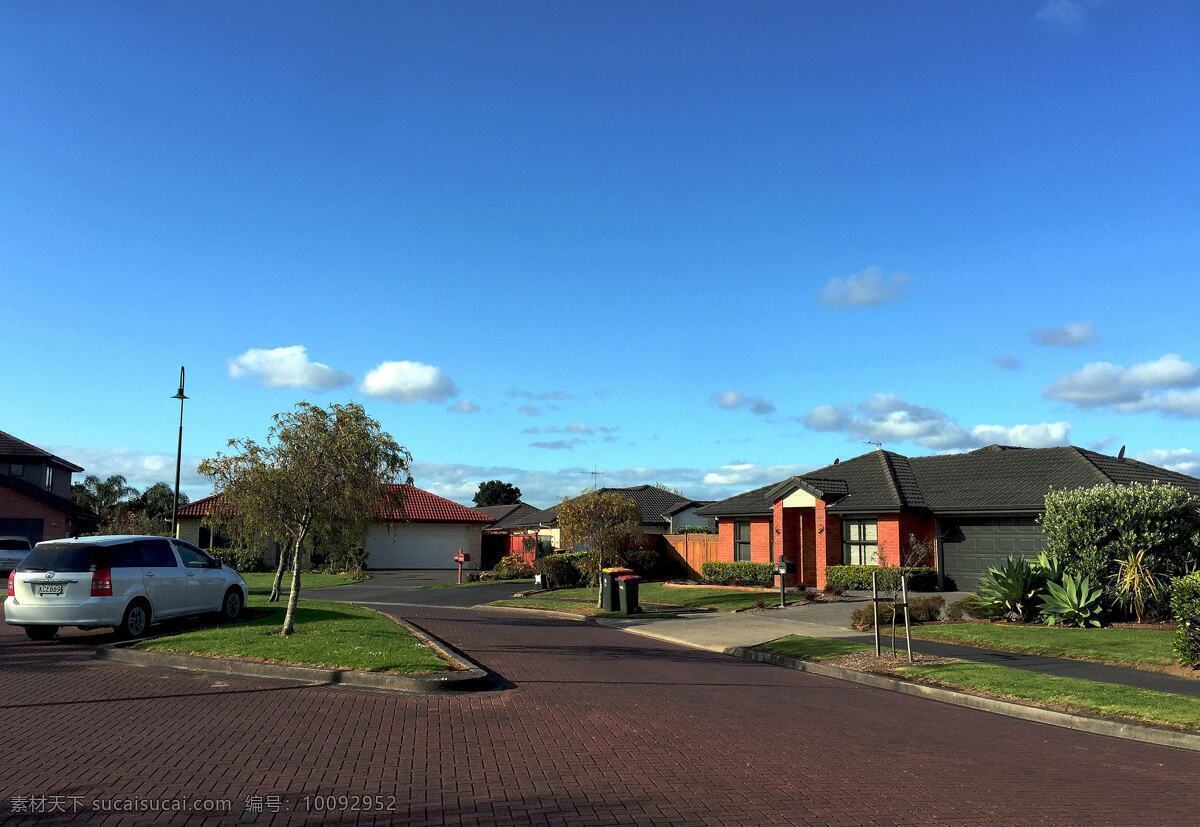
x: 327, y: 634
x: 814, y: 648
x: 260, y: 582
x: 725, y: 600
x: 1147, y: 649
x: 1071, y: 694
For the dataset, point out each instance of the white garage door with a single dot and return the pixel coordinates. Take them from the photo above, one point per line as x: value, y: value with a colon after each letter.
x: 417, y: 545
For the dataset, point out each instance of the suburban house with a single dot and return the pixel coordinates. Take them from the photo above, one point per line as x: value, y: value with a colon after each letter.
x: 978, y: 507
x: 496, y: 536
x: 424, y: 531
x: 35, y: 494
x: 656, y: 507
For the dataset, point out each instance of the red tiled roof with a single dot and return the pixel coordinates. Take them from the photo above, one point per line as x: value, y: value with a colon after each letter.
x: 416, y: 506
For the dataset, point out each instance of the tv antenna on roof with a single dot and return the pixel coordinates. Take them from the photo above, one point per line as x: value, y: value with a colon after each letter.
x: 872, y: 442
x: 595, y: 475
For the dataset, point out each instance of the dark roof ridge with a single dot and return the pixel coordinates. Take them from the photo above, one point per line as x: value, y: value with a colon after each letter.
x: 1092, y: 466
x: 890, y: 473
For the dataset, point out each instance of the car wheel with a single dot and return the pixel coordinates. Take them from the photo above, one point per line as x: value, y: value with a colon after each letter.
x: 231, y: 606
x: 41, y: 632
x: 136, y: 620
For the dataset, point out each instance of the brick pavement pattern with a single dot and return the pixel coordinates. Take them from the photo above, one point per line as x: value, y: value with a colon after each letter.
x: 594, y: 727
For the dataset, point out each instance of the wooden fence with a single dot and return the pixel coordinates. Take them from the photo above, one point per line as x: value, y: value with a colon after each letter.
x: 691, y: 551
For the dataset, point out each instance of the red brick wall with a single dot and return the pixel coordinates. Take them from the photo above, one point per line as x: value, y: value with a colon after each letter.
x: 55, y: 524
x: 920, y: 525
x: 808, y: 545
x: 760, y: 538
x: 828, y: 541
x: 889, y: 539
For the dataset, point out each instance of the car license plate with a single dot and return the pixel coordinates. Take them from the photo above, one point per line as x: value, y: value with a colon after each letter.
x: 49, y: 588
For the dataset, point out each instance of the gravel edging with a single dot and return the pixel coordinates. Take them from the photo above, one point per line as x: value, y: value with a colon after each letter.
x: 467, y: 676
x: 1084, y: 723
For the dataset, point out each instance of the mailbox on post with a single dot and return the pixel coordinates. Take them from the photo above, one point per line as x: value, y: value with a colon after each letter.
x: 783, y: 567
x: 460, y: 558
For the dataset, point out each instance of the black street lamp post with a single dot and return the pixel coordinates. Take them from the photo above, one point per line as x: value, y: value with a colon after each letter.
x: 178, y: 455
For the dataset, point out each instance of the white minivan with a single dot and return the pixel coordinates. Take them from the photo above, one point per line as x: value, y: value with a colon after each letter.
x: 126, y: 582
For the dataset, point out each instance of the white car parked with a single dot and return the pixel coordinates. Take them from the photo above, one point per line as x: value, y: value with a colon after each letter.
x: 13, y: 551
x: 126, y: 582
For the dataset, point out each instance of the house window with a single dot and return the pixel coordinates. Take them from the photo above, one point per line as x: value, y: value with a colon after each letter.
x: 860, y: 542
x: 49, y: 477
x: 16, y: 469
x: 741, y: 542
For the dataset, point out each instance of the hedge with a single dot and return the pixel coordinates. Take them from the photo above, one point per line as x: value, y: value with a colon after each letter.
x: 240, y: 559
x: 1185, y: 607
x: 561, y: 570
x: 738, y: 574
x: 920, y: 578
x: 1088, y: 529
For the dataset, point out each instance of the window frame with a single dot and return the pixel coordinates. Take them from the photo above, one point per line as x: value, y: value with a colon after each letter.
x: 738, y: 543
x: 855, y: 551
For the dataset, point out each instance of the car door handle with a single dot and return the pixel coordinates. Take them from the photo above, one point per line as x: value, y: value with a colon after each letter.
x: 147, y: 574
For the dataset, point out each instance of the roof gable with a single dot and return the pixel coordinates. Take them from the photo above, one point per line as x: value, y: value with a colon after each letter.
x: 10, y: 446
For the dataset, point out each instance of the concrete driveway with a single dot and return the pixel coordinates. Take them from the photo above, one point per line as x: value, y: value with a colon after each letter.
x: 411, y: 587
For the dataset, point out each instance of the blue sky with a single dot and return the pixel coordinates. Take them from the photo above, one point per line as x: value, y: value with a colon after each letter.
x: 691, y: 243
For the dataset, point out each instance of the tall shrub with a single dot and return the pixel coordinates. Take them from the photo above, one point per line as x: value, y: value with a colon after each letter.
x: 1185, y: 606
x: 1089, y: 529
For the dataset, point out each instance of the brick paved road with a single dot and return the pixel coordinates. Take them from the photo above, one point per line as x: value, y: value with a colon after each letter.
x: 598, y: 727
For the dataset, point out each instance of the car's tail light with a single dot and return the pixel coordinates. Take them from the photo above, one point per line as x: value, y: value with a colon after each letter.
x: 12, y: 583
x: 102, y: 583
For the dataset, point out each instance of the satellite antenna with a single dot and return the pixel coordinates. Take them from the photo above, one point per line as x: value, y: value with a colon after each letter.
x: 1121, y: 453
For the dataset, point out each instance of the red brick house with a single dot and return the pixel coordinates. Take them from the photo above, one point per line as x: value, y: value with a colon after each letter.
x: 979, y: 507
x: 35, y: 494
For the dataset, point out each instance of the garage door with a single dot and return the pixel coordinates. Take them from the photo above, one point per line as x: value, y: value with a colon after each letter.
x: 22, y: 527
x: 971, y: 545
x: 417, y: 545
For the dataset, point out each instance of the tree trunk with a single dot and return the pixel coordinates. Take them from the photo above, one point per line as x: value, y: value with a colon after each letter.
x: 278, y: 577
x: 294, y: 597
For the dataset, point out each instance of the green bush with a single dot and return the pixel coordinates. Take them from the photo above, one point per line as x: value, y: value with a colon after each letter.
x: 738, y: 574
x: 1074, y: 602
x: 968, y: 606
x: 1185, y: 607
x: 240, y: 559
x: 920, y: 578
x: 512, y: 567
x: 648, y: 562
x: 696, y: 529
x: 560, y: 571
x: 1089, y: 529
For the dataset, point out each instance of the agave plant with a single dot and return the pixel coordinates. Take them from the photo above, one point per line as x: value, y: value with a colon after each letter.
x: 1010, y: 591
x: 1136, y: 583
x: 1074, y: 602
x: 1049, y: 567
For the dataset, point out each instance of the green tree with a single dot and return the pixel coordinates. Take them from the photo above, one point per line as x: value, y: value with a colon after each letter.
x: 103, y: 496
x: 604, y: 524
x: 319, y: 469
x: 155, y: 501
x: 497, y: 492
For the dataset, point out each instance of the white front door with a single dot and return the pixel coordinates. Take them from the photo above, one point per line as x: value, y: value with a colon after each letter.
x: 417, y: 545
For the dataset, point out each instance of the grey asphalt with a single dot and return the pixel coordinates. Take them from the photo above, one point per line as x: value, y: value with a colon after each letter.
x: 410, y: 587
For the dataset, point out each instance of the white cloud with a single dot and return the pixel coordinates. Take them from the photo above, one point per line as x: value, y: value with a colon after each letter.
x: 406, y: 381
x: 530, y: 410
x: 886, y: 418
x: 545, y: 488
x: 1075, y: 334
x: 1064, y: 15
x: 731, y: 400
x: 558, y: 444
x: 540, y: 396
x: 569, y: 428
x: 286, y: 367
x: 1183, y: 460
x: 464, y: 407
x: 1006, y: 362
x: 1042, y: 435
x: 139, y: 468
x: 1168, y: 385
x: 865, y: 288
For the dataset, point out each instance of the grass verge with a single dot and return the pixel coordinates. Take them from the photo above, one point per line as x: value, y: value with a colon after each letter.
x: 327, y: 634
x: 259, y: 582
x: 815, y: 648
x: 1066, y: 694
x: 1141, y: 648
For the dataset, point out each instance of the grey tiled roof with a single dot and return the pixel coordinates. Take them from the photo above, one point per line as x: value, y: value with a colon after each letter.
x: 992, y: 479
x: 652, y: 503
x: 506, y: 516
x: 10, y: 446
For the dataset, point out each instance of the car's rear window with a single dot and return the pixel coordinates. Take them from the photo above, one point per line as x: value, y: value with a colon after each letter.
x: 77, y: 557
x: 14, y: 545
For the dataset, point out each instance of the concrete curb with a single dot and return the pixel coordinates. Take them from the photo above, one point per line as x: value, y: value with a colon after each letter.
x: 1096, y: 726
x: 535, y: 612
x: 468, y: 676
